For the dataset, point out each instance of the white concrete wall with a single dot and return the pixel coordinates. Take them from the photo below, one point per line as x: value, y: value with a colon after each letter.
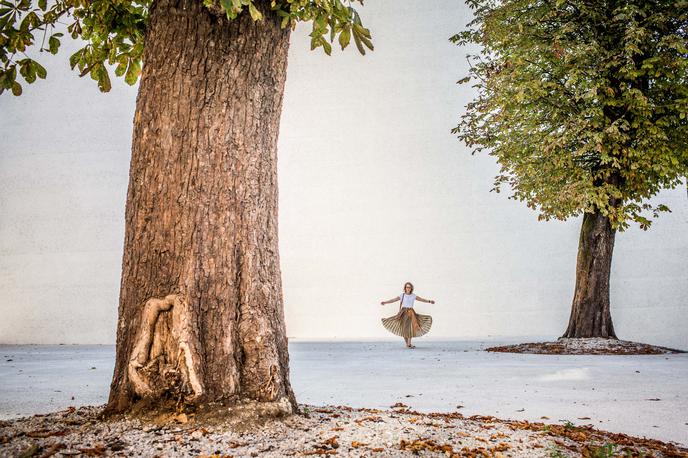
x: 374, y: 191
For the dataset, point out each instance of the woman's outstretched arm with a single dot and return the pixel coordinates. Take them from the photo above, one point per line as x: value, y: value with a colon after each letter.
x: 418, y: 298
x: 391, y: 301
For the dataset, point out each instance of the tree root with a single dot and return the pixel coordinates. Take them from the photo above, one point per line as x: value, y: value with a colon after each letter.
x: 165, y: 358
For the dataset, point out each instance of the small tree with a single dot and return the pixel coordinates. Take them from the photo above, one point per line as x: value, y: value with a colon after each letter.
x: 200, y: 313
x: 584, y: 106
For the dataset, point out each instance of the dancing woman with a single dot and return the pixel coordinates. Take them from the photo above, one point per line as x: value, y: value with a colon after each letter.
x: 407, y: 323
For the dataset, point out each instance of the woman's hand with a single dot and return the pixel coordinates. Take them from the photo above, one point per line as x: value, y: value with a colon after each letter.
x: 432, y: 302
x: 382, y: 303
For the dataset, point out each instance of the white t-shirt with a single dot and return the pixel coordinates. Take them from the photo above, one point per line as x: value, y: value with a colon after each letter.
x: 407, y: 300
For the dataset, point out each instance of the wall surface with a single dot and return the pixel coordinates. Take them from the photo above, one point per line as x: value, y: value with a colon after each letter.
x: 374, y: 191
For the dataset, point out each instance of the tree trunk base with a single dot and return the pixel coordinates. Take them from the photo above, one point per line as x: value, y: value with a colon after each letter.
x: 237, y: 415
x: 165, y: 371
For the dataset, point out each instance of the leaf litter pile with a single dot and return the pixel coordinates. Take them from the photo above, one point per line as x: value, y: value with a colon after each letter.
x: 585, y: 346
x: 317, y: 431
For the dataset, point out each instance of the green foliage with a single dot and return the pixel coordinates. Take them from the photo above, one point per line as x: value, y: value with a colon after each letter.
x: 568, y: 424
x: 555, y: 452
x: 583, y: 104
x: 114, y: 32
x: 604, y: 451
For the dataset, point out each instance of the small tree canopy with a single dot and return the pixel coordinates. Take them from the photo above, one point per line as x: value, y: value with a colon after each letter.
x: 114, y: 32
x: 583, y: 103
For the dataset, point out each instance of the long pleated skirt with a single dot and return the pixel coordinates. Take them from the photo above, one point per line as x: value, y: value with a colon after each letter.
x: 407, y: 323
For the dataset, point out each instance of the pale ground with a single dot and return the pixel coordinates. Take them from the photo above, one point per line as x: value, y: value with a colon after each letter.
x: 637, y: 395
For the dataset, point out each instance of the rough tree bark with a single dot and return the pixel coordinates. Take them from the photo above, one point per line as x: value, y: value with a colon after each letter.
x: 200, y: 313
x: 590, y: 314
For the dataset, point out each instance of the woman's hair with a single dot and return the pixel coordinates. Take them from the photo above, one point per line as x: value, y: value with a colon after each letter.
x: 408, y: 283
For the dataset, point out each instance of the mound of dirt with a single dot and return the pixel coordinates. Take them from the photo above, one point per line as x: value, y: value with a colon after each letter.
x: 586, y: 346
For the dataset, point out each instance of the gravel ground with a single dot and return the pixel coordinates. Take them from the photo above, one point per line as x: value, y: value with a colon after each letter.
x: 343, y: 431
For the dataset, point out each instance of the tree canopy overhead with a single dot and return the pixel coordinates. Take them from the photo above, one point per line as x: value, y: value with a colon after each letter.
x: 584, y: 104
x: 114, y: 32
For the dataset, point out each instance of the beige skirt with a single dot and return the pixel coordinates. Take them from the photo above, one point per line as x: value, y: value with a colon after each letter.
x: 407, y: 323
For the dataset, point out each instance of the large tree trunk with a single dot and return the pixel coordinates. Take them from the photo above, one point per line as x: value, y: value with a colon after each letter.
x: 590, y: 314
x: 200, y: 314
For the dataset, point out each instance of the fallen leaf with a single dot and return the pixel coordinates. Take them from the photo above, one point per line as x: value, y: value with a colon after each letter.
x: 320, y: 452
x: 29, y: 451
x: 117, y: 445
x: 53, y: 449
x: 418, y: 446
x: 97, y: 450
x: 501, y: 447
x: 43, y: 433
x: 332, y: 442
x: 371, y: 419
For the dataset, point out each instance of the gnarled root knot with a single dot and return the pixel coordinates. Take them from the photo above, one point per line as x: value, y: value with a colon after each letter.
x: 165, y: 358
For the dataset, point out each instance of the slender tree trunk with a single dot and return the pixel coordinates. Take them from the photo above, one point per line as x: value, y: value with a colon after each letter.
x: 590, y: 314
x: 200, y: 314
